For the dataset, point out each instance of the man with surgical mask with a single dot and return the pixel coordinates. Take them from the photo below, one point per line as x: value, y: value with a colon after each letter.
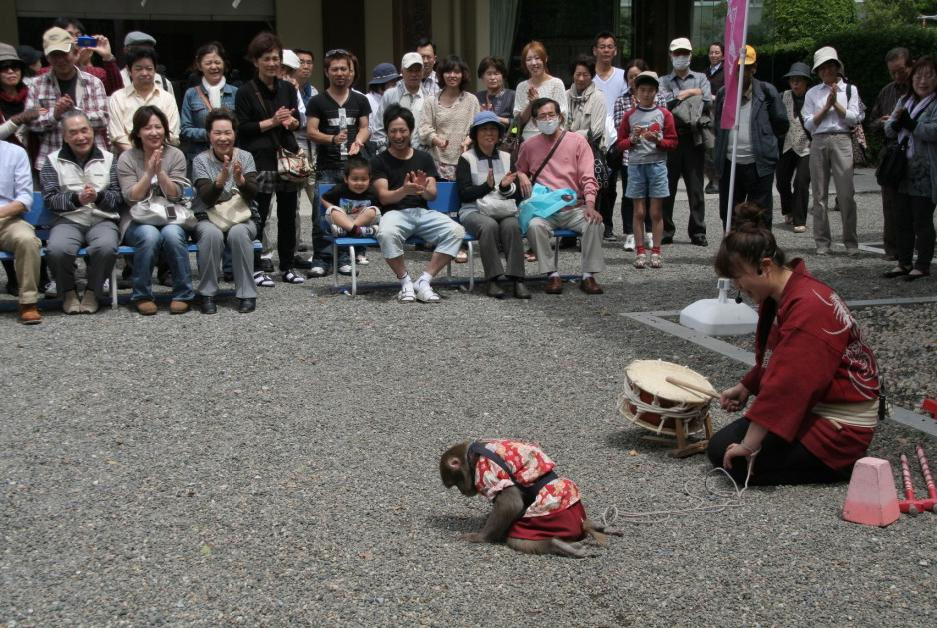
x: 687, y: 161
x: 562, y: 160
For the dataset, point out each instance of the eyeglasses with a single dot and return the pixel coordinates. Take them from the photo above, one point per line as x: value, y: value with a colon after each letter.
x: 337, y: 51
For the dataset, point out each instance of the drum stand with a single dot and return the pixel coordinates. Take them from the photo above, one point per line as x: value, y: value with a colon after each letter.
x: 685, y: 446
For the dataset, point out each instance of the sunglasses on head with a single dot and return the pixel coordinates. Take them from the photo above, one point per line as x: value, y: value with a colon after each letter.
x: 336, y: 51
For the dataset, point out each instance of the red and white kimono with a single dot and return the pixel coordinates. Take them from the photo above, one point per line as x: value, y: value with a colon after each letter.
x: 816, y: 380
x: 557, y: 510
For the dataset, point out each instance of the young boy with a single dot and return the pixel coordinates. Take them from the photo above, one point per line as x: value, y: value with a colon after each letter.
x: 647, y: 131
x: 351, y: 207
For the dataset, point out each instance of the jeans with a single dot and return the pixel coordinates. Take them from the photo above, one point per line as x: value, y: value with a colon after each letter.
x: 171, y: 242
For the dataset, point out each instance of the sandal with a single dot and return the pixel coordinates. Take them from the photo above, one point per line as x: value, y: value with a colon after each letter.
x: 800, y: 229
x: 530, y: 256
x: 291, y: 277
x: 897, y: 271
x: 461, y: 257
x: 263, y: 280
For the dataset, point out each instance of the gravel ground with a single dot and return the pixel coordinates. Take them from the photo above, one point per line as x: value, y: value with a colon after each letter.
x: 281, y: 467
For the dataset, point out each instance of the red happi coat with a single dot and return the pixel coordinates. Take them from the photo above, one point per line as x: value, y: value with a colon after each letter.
x: 528, y: 463
x: 814, y: 353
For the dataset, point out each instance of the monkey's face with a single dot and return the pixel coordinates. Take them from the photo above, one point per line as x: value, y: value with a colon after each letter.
x: 454, y: 470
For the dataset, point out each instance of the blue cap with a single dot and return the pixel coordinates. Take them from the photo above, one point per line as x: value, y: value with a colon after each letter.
x: 486, y: 117
x: 383, y: 73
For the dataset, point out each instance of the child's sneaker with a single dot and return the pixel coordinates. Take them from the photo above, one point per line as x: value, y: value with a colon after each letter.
x: 656, y: 261
x: 629, y: 242
x: 337, y: 231
x: 365, y: 232
x: 640, y: 261
x: 361, y: 259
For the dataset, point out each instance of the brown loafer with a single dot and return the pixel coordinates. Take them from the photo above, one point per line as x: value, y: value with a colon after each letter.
x: 29, y: 314
x: 146, y: 307
x: 554, y: 285
x: 178, y: 307
x: 590, y: 286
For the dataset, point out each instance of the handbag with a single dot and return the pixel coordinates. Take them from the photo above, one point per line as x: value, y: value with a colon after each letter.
x: 602, y: 174
x: 495, y: 205
x: 159, y: 211
x: 226, y: 214
x: 894, y: 164
x: 543, y: 203
x: 291, y: 166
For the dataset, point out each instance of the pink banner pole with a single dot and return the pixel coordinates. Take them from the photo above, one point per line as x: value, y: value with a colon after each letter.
x: 735, y: 40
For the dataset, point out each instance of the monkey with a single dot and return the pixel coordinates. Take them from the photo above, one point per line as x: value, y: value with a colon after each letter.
x: 535, y: 510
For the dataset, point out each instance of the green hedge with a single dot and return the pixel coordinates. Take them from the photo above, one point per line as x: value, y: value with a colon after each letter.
x: 861, y: 50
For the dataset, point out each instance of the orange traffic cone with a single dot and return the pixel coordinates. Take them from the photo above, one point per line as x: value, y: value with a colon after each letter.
x: 872, y: 499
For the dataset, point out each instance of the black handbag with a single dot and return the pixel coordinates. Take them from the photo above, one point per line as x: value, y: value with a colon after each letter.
x: 894, y: 165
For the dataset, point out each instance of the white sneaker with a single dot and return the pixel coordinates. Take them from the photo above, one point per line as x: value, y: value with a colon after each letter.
x: 106, y: 286
x: 629, y: 242
x: 71, y: 304
x: 344, y: 269
x: 362, y: 259
x: 50, y: 289
x: 406, y: 294
x: 648, y: 240
x: 425, y: 293
x: 337, y: 231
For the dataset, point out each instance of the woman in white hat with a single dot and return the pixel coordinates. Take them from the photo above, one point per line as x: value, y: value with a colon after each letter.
x: 831, y: 110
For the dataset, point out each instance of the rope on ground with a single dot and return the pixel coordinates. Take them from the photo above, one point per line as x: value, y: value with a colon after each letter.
x: 730, y: 499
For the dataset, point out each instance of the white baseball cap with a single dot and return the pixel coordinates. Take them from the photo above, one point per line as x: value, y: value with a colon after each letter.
x: 411, y: 59
x: 680, y: 43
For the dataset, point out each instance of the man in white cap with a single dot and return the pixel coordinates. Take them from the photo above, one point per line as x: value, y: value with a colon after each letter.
x: 408, y: 93
x: 683, y: 84
x: 62, y: 89
x: 139, y: 39
x: 831, y: 110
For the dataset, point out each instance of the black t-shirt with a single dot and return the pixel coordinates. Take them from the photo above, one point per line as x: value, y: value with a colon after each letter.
x: 329, y: 112
x: 68, y: 86
x: 386, y: 166
x: 346, y: 199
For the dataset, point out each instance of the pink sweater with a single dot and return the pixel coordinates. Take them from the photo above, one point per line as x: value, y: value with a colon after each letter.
x: 571, y: 166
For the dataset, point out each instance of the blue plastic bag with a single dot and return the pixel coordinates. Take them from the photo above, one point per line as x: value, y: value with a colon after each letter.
x: 543, y: 203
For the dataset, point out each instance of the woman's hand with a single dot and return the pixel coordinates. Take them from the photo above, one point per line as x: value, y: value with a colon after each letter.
x: 508, y: 179
x: 532, y: 93
x: 238, y: 171
x: 491, y: 178
x: 27, y: 116
x: 466, y: 144
x: 734, y: 399
x: 87, y: 194
x: 440, y: 142
x: 154, y: 163
x: 736, y: 450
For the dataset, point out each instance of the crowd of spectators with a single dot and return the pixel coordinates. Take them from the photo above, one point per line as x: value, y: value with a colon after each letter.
x: 120, y: 159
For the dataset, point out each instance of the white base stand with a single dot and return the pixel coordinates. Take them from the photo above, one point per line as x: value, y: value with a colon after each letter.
x: 721, y: 316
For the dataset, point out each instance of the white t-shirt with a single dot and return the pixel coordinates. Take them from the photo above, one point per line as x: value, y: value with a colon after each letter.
x: 612, y: 88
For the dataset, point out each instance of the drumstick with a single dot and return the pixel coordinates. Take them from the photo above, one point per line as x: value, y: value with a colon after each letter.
x: 682, y: 384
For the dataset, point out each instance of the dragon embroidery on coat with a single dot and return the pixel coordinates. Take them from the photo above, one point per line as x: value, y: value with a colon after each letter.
x: 863, y: 371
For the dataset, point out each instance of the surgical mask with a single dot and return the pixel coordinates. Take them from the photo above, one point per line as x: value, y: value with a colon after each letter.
x: 681, y: 63
x: 548, y: 127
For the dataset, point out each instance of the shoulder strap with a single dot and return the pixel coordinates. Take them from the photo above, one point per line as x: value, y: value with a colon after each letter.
x: 529, y: 493
x: 546, y: 159
x: 849, y: 89
x: 201, y: 93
